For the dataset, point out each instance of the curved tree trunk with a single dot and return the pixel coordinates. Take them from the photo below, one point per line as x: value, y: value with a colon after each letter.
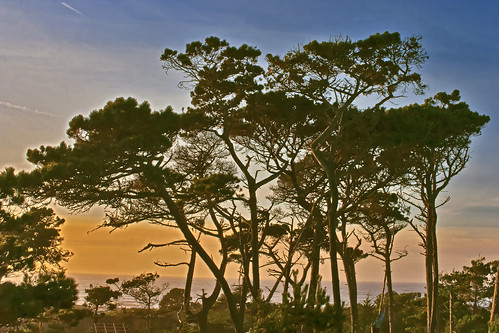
x: 429, y: 281
x: 436, y: 302
x: 255, y: 242
x: 389, y: 286
x: 182, y: 224
x: 242, y: 305
x: 315, y: 261
x: 349, y: 265
x: 329, y: 168
x: 495, y: 299
x: 333, y: 253
x: 188, y: 282
x: 431, y: 269
x: 207, y: 303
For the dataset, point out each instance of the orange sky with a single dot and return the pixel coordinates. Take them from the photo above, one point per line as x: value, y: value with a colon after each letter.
x: 116, y: 253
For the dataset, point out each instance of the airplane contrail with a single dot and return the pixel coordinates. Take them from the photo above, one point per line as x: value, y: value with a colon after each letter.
x: 26, y: 109
x: 71, y: 8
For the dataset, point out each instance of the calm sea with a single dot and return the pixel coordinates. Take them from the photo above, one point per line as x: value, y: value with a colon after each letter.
x: 365, y: 289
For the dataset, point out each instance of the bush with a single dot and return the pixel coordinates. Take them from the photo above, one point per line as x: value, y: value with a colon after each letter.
x: 295, y: 314
x: 172, y: 300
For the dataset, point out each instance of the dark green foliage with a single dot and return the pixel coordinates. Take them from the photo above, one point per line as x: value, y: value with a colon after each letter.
x: 123, y: 138
x: 432, y: 125
x: 30, y: 241
x: 223, y: 75
x: 56, y: 291
x: 137, y: 178
x: 381, y: 65
x: 472, y: 290
x: 473, y: 285
x: 173, y: 300
x: 71, y: 317
x: 30, y: 244
x: 296, y: 314
x: 11, y: 303
x: 143, y: 289
x: 368, y: 313
x: 51, y: 293
x: 101, y: 295
x: 409, y: 313
x: 434, y: 142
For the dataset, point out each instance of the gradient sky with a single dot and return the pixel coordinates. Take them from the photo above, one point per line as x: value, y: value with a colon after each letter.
x: 59, y: 59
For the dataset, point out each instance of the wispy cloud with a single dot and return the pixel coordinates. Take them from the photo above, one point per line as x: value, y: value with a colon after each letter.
x: 71, y: 8
x: 484, y: 202
x: 26, y: 109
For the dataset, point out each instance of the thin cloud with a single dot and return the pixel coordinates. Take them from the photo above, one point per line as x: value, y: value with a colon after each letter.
x: 71, y: 8
x: 26, y: 109
x: 488, y: 202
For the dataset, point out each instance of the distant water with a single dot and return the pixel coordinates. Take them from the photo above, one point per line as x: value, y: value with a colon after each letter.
x: 365, y: 289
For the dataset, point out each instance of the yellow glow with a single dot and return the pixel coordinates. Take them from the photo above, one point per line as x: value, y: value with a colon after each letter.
x: 116, y: 253
x: 102, y: 252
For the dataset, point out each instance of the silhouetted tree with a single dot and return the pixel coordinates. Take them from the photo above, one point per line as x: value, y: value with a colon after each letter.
x: 381, y: 218
x: 39, y: 298
x: 144, y: 289
x: 173, y: 300
x: 122, y: 159
x: 208, y: 171
x: 101, y: 295
x: 296, y: 314
x: 30, y: 245
x: 472, y: 289
x: 29, y: 234
x: 336, y: 74
x: 434, y: 138
x: 227, y: 95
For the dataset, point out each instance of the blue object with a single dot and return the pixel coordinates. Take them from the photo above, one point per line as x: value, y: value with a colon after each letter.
x: 378, y: 321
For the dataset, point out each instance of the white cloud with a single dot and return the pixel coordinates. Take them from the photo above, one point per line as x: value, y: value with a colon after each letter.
x: 26, y: 109
x: 71, y: 8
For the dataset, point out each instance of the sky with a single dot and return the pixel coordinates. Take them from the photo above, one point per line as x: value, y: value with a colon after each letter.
x: 59, y: 59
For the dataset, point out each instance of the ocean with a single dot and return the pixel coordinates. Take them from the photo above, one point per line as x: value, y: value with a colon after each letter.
x: 365, y: 289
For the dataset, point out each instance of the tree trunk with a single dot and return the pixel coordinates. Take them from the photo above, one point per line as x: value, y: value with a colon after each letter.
x: 206, y: 305
x: 431, y: 269
x: 182, y: 224
x: 389, y: 287
x: 429, y: 282
x: 495, y: 299
x: 255, y: 250
x: 202, y: 319
x: 333, y: 252
x: 242, y: 305
x: 450, y: 309
x: 315, y: 261
x: 252, y: 186
x: 188, y: 282
x: 436, y: 301
x: 349, y: 266
x: 329, y: 168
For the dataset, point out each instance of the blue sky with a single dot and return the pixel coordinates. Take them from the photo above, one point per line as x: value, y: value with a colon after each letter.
x: 59, y: 59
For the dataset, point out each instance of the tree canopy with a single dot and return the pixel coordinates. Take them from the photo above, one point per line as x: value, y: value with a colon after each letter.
x: 276, y: 164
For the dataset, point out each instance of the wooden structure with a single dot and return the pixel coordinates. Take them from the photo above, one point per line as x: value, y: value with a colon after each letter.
x: 108, y: 328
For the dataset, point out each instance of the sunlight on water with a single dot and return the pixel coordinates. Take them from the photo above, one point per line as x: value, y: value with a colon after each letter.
x: 200, y: 285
